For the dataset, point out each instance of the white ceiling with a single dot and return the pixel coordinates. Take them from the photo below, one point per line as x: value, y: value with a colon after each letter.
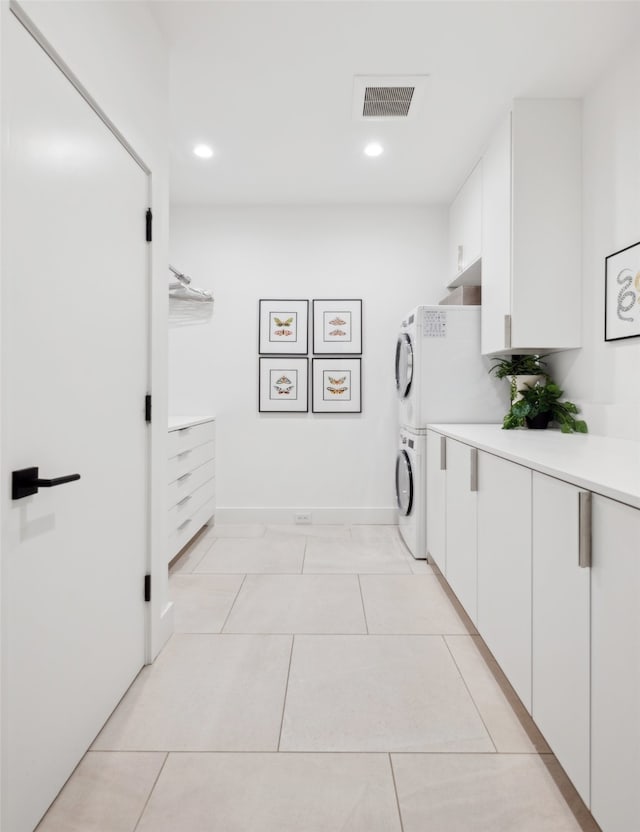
x: 270, y: 84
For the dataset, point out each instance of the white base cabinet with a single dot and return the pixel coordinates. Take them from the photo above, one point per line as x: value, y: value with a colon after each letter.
x: 461, y: 524
x: 504, y: 567
x: 615, y: 666
x: 436, y: 496
x: 561, y: 611
x: 191, y: 490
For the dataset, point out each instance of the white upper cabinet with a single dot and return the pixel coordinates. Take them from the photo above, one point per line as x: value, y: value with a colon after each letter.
x: 465, y: 228
x: 531, y: 229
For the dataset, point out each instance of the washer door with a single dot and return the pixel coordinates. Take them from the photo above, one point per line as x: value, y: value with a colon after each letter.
x: 404, y: 365
x: 404, y: 483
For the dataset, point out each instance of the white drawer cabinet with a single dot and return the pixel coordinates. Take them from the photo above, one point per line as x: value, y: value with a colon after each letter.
x: 504, y: 567
x: 191, y: 473
x: 561, y: 612
x: 531, y: 229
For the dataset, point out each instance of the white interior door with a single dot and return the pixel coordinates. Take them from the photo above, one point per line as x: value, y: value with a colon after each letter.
x: 75, y: 364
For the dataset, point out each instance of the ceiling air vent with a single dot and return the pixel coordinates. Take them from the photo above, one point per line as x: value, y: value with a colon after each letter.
x: 383, y: 97
x: 387, y: 102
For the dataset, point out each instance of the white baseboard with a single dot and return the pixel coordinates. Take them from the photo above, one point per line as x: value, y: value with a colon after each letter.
x: 319, y: 516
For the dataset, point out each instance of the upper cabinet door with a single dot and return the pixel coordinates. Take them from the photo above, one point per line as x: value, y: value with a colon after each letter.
x: 465, y: 225
x: 531, y: 229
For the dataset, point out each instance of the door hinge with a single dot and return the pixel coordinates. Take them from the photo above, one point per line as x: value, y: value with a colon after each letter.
x: 147, y: 408
x: 149, y: 225
x: 147, y: 588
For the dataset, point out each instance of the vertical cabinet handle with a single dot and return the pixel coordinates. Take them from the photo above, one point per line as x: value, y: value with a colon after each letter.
x: 507, y: 332
x: 473, y: 459
x: 443, y: 453
x: 584, y: 524
x: 460, y: 258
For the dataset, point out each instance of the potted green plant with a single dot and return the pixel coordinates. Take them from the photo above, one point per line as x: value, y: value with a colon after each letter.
x: 539, y: 405
x: 520, y: 370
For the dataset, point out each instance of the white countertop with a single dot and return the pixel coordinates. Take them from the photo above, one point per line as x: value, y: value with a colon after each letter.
x: 182, y: 422
x: 597, y: 463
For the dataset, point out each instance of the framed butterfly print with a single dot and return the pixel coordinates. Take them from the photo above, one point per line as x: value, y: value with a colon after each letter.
x: 283, y: 385
x: 337, y: 327
x: 283, y: 327
x: 337, y: 386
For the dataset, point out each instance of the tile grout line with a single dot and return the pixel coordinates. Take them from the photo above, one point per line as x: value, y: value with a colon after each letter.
x: 233, y: 603
x: 364, y: 612
x: 286, y: 691
x: 151, y: 790
x: 395, y: 789
x: 471, y: 696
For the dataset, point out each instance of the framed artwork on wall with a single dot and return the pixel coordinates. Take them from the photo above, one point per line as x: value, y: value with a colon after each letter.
x: 283, y: 327
x: 337, y: 327
x: 283, y: 385
x: 337, y: 386
x: 622, y: 294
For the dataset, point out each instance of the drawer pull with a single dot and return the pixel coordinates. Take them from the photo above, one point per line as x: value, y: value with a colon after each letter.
x: 584, y: 522
x: 184, y: 524
x: 184, y: 453
x: 183, y: 430
x: 184, y: 500
x: 185, y: 476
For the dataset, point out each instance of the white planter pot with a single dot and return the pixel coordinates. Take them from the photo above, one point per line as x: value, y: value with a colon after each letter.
x: 519, y: 383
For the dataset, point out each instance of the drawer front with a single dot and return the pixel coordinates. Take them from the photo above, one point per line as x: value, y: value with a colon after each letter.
x: 182, y: 535
x: 191, y: 504
x: 189, y: 460
x: 189, y: 482
x: 188, y: 438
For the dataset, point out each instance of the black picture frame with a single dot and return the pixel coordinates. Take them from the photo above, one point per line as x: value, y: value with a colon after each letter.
x: 622, y: 294
x: 278, y: 377
x: 291, y: 339
x: 337, y: 315
x: 340, y: 375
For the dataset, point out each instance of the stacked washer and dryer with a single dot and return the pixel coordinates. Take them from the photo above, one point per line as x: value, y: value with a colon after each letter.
x: 440, y: 377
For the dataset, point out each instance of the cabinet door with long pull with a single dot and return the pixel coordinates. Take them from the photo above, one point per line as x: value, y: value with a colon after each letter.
x: 561, y: 609
x: 615, y: 666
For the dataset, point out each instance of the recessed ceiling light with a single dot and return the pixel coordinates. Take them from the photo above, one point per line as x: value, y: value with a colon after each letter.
x: 374, y: 149
x: 203, y: 151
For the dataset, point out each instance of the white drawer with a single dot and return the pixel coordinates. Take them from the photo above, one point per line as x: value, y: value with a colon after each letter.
x: 189, y: 482
x: 183, y: 534
x: 189, y: 460
x: 185, y: 439
x: 191, y: 504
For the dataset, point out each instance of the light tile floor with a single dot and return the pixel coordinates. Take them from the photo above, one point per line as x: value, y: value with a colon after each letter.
x: 319, y: 679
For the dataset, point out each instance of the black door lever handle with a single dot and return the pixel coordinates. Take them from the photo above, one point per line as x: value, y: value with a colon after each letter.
x: 26, y: 482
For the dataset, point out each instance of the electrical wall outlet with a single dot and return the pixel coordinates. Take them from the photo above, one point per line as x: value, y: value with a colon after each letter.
x: 303, y: 518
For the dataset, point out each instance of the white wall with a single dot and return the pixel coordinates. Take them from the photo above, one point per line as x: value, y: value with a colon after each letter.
x: 117, y: 52
x: 604, y: 378
x: 341, y: 467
